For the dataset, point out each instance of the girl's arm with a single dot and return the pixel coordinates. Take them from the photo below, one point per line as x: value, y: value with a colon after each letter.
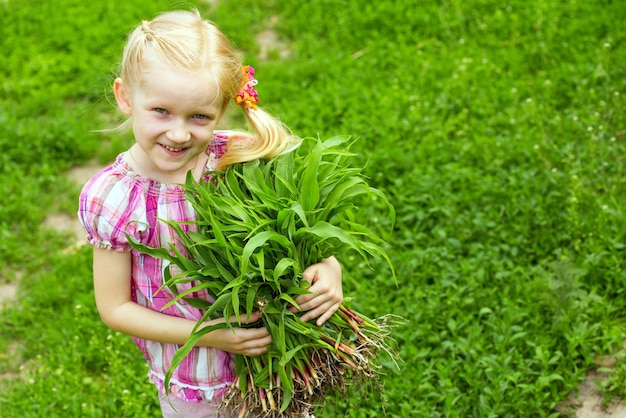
x: 112, y: 275
x: 327, y: 293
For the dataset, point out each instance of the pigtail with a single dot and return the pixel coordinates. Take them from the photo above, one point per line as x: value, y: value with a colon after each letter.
x: 269, y: 136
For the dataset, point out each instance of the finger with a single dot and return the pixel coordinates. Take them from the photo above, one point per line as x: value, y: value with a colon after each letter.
x: 322, y: 313
x: 252, y: 334
x: 303, y: 300
x: 251, y: 341
x: 253, y: 352
x: 326, y: 316
x: 317, y: 290
x: 310, y: 274
x: 259, y: 346
x: 319, y: 295
x: 254, y: 317
x: 243, y: 318
x: 259, y: 341
x: 313, y: 303
x: 315, y: 312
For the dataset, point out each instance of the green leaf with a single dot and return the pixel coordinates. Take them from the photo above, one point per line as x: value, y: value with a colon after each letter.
x: 181, y: 295
x: 286, y: 297
x: 287, y: 385
x: 283, y: 266
x: 198, y: 303
x: 250, y: 298
x: 235, y: 283
x: 260, y: 239
x: 284, y: 176
x: 287, y: 356
x: 308, y: 186
x: 231, y: 182
x: 219, y: 303
x: 337, y: 141
x: 298, y: 291
x: 343, y: 193
x: 297, y: 208
x: 162, y: 253
x: 327, y: 231
x: 182, y: 261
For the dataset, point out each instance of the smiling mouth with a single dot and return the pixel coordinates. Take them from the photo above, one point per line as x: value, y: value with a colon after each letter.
x: 173, y: 149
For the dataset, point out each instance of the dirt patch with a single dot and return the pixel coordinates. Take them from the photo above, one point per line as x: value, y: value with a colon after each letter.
x: 8, y: 291
x: 9, y: 287
x: 589, y: 402
x: 586, y: 401
x: 62, y: 222
x: 11, y: 357
x: 270, y: 43
x: 80, y: 175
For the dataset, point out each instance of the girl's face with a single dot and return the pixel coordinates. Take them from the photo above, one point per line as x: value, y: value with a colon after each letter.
x: 174, y: 114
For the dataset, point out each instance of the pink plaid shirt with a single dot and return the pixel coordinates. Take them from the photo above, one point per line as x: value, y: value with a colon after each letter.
x: 117, y: 201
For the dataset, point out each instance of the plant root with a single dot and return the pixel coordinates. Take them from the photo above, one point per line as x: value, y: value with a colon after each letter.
x: 327, y: 372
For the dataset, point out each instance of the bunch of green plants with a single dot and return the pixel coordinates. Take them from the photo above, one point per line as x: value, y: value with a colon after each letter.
x: 259, y: 225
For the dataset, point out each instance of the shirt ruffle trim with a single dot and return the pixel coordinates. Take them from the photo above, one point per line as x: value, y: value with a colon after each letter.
x: 107, y: 245
x: 187, y: 392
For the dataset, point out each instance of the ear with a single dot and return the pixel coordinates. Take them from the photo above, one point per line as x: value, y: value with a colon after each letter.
x: 123, y: 102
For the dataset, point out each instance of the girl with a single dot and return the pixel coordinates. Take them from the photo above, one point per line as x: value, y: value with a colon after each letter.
x: 178, y: 75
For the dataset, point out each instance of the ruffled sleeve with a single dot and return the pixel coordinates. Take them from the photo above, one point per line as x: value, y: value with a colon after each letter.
x: 218, y: 144
x: 108, y: 209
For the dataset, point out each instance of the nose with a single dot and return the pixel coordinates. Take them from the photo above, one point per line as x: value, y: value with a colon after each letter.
x: 178, y: 132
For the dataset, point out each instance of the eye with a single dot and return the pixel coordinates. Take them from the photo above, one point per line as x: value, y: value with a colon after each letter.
x: 203, y: 119
x: 160, y: 110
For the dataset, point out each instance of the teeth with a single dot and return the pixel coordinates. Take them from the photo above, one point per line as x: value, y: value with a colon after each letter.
x: 172, y: 149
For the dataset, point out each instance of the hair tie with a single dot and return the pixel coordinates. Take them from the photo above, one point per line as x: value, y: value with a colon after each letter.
x: 145, y: 27
x: 248, y: 96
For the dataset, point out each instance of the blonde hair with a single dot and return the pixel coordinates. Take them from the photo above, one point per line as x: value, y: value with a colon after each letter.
x: 185, y: 41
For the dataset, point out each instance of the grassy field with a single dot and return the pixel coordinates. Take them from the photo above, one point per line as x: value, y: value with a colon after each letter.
x: 496, y: 128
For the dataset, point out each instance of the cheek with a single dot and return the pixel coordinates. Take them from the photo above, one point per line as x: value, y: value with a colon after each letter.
x: 150, y: 126
x: 203, y: 133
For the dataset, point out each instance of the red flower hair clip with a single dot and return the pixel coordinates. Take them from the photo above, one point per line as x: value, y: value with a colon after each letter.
x: 248, y: 96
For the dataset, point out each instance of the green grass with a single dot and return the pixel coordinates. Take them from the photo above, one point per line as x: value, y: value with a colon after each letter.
x: 497, y: 130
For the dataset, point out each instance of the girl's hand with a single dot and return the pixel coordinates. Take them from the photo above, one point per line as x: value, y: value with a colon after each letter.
x: 246, y: 341
x: 327, y: 294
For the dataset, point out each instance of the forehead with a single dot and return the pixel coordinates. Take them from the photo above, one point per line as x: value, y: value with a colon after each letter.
x: 194, y: 88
